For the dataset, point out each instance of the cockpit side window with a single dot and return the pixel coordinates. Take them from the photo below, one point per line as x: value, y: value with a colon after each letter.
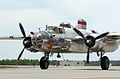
x: 53, y: 29
x: 61, y: 30
x: 56, y: 30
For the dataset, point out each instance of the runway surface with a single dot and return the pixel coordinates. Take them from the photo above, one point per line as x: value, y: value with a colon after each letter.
x: 81, y: 72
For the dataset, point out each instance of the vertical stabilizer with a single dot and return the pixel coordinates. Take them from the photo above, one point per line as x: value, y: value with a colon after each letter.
x: 81, y: 24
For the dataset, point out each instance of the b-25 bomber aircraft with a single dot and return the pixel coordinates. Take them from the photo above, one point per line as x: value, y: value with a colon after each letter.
x: 68, y: 39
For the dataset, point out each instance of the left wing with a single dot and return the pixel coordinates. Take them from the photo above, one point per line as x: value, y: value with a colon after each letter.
x: 11, y: 38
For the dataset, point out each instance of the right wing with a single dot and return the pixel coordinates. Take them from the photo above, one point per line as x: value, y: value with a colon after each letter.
x: 113, y: 36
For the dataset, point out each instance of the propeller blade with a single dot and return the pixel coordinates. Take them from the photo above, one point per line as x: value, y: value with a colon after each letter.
x: 79, y: 33
x: 22, y: 29
x: 21, y: 54
x: 88, y: 55
x: 102, y: 35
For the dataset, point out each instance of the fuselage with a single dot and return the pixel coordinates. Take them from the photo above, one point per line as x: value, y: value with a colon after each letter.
x: 65, y: 40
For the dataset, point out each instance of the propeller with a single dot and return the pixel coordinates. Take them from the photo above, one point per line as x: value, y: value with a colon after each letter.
x: 26, y: 42
x: 88, y: 55
x: 79, y: 33
x: 90, y: 40
x: 22, y: 29
x: 20, y: 54
x: 102, y: 35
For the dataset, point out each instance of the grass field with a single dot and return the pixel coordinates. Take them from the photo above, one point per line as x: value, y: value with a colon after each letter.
x: 8, y: 66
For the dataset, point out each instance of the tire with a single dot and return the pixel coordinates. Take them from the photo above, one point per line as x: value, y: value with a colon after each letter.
x: 44, y: 63
x: 105, y: 63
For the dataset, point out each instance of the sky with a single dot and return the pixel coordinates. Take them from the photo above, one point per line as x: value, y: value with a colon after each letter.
x: 100, y: 15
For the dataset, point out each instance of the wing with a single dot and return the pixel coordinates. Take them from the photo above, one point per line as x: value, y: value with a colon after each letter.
x: 11, y: 38
x: 113, y: 36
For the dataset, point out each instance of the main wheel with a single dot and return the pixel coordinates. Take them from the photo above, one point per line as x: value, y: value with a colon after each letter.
x: 44, y: 63
x: 105, y: 63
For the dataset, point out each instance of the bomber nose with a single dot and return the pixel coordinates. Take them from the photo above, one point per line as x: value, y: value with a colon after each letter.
x: 39, y: 41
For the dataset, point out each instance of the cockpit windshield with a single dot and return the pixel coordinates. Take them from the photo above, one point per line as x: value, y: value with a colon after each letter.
x: 56, y: 30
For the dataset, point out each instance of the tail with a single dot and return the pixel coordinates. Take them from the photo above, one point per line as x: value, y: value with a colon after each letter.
x: 81, y: 24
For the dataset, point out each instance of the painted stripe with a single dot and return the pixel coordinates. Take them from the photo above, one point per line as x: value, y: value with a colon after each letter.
x: 83, y: 23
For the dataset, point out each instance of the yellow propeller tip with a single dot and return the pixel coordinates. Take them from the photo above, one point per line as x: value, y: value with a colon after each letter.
x: 19, y: 22
x: 17, y: 60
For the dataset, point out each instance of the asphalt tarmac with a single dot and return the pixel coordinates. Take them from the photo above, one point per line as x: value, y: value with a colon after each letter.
x: 74, y: 72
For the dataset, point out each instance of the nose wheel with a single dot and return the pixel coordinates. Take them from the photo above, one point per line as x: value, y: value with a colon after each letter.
x: 44, y: 61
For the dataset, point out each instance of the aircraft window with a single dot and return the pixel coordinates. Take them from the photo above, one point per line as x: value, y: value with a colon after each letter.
x: 65, y: 25
x: 39, y: 38
x: 61, y: 30
x: 53, y: 29
x: 56, y: 30
x: 43, y: 35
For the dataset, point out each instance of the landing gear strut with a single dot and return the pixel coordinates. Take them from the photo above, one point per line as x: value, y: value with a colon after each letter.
x: 104, y: 62
x: 44, y: 63
x: 58, y: 56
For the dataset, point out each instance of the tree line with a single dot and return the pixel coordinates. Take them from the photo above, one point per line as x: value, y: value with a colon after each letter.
x: 97, y: 63
x: 25, y: 62
x: 51, y: 62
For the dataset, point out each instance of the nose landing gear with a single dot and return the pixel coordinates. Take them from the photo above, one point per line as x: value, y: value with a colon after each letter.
x: 44, y: 61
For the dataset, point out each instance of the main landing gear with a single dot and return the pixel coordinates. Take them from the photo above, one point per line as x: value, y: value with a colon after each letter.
x: 104, y: 62
x: 44, y: 61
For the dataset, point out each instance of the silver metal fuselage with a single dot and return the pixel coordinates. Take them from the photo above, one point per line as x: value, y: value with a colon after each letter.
x: 67, y: 42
